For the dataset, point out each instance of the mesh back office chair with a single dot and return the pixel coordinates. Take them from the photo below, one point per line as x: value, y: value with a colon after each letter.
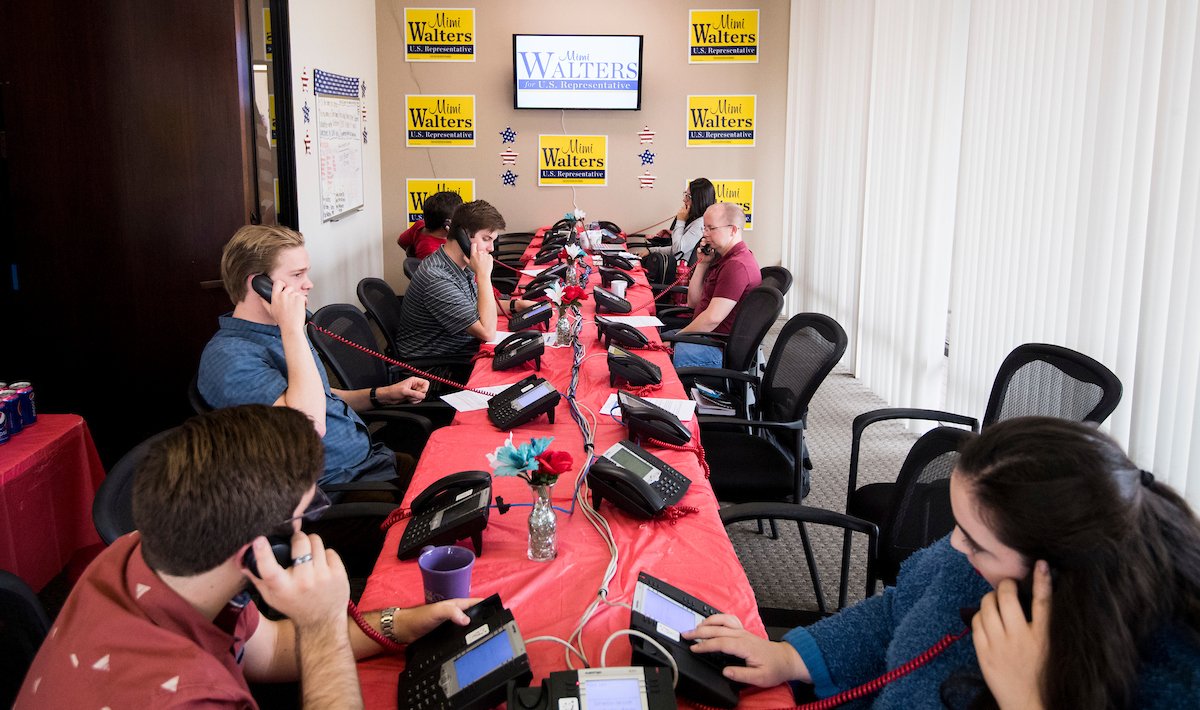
x: 1035, y: 379
x: 199, y: 406
x: 23, y: 627
x: 778, y: 277
x: 739, y: 348
x: 383, y: 307
x: 411, y: 264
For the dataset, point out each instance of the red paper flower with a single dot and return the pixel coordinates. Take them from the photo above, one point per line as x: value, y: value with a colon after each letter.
x: 563, y: 255
x: 574, y: 293
x: 554, y: 462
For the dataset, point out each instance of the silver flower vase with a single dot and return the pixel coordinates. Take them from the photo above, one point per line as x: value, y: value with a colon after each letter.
x: 573, y: 275
x: 543, y: 526
x: 562, y: 331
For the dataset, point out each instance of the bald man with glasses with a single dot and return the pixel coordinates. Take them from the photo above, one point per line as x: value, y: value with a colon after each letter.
x: 719, y: 282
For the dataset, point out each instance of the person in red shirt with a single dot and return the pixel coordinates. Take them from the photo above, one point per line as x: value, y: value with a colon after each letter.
x: 161, y: 619
x: 427, y: 235
x: 719, y: 281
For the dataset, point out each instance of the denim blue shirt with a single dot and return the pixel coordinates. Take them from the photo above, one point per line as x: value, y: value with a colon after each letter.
x: 244, y: 364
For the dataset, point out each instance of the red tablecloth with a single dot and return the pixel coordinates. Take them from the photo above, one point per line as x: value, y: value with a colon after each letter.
x: 49, y: 474
x: 694, y: 554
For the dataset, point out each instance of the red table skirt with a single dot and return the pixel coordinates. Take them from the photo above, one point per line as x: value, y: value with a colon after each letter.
x: 49, y: 474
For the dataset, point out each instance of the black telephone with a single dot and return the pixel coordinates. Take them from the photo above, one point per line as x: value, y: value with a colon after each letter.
x: 537, y: 314
x: 543, y: 279
x: 547, y: 254
x: 622, y: 334
x: 468, y: 667
x: 616, y: 261
x: 264, y: 286
x: 610, y: 226
x: 649, y: 421
x: 517, y: 348
x: 609, y: 301
x: 554, y: 272
x: 611, y: 236
x: 634, y: 369
x: 464, y: 240
x: 635, y: 481
x: 557, y: 239
x: 706, y: 249
x: 615, y: 688
x: 540, y: 291
x: 451, y: 509
x: 281, y: 547
x: 523, y: 402
x: 607, y: 276
x: 663, y: 612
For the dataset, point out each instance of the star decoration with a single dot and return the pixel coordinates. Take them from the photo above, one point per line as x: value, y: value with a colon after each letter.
x: 364, y: 136
x: 647, y: 157
x: 508, y: 135
x: 647, y: 180
x: 362, y: 87
x: 305, y: 110
x: 508, y: 157
x: 646, y: 135
x: 509, y: 178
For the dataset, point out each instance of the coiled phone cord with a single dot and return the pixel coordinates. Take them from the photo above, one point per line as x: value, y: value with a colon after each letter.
x: 695, y: 449
x: 387, y: 643
x: 874, y: 685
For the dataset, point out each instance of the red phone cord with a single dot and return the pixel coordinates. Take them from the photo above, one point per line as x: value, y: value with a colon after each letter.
x: 387, y: 359
x: 874, y: 685
x: 695, y: 448
x: 387, y: 643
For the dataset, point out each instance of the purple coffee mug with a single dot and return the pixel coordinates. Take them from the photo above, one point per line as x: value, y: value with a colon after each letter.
x: 446, y: 572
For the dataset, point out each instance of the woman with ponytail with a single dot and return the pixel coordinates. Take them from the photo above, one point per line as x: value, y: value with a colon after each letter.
x: 1091, y: 570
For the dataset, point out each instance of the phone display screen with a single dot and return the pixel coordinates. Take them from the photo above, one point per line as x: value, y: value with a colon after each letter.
x: 532, y: 396
x: 614, y: 694
x: 483, y: 659
x: 625, y: 459
x: 667, y: 611
x: 534, y: 310
x: 459, y: 510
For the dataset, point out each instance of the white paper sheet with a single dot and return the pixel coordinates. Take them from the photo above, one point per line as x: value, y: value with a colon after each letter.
x: 534, y: 271
x: 635, y: 321
x: 465, y: 401
x: 500, y: 336
x: 682, y: 408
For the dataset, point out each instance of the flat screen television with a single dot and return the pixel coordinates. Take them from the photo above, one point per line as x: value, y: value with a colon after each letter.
x: 577, y: 71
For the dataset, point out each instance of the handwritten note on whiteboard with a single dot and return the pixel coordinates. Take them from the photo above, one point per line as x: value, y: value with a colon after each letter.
x: 339, y: 143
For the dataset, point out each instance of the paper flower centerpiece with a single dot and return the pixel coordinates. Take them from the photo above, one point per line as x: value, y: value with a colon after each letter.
x: 530, y: 461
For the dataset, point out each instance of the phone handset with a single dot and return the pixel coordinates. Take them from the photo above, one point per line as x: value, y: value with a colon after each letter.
x: 644, y: 419
x: 445, y: 489
x: 627, y: 490
x: 464, y: 241
x: 264, y: 286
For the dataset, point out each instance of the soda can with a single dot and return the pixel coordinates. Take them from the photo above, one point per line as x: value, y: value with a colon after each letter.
x: 4, y: 386
x: 8, y: 402
x: 4, y: 435
x: 28, y: 407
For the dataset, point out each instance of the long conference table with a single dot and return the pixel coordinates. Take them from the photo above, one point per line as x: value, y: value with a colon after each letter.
x: 548, y: 598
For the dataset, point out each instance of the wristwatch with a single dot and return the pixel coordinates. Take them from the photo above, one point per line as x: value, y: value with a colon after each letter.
x: 374, y: 400
x: 385, y: 622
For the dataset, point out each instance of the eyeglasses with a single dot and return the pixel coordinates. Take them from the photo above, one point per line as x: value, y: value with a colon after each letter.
x: 687, y: 196
x: 709, y: 230
x: 316, y: 508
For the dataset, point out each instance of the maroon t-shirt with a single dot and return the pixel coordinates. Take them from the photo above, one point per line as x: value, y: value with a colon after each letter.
x: 124, y: 639
x: 732, y: 276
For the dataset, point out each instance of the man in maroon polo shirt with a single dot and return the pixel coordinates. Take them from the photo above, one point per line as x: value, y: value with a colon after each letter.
x: 161, y: 619
x: 719, y: 281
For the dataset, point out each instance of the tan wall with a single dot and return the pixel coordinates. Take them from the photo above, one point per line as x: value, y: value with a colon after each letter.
x: 668, y: 80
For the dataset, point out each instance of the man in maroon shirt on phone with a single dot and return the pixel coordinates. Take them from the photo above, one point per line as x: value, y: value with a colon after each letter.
x: 162, y: 619
x: 721, y: 278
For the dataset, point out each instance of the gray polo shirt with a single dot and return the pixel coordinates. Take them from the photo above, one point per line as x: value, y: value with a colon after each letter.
x: 441, y: 302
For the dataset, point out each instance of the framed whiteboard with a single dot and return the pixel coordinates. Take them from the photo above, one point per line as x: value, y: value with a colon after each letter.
x: 339, y: 144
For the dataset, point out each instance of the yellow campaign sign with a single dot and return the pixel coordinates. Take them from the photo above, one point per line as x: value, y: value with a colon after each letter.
x: 572, y: 160
x: 721, y: 120
x: 419, y: 189
x: 723, y: 36
x: 439, y: 34
x: 439, y: 121
x: 739, y: 191
x: 271, y: 109
x: 267, y: 32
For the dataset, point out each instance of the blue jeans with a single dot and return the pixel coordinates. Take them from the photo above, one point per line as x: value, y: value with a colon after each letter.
x: 692, y: 355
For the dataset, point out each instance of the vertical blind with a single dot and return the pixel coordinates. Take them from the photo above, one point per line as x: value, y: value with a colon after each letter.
x: 1032, y: 167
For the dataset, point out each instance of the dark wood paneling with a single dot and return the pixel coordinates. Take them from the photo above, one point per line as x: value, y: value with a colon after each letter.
x: 125, y: 131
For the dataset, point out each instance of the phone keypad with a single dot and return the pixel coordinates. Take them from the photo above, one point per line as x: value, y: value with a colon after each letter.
x: 418, y: 529
x: 672, y: 484
x: 425, y: 693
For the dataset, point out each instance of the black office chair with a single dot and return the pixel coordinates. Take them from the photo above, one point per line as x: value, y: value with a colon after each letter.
x: 739, y: 348
x: 780, y: 621
x: 1035, y: 379
x: 23, y: 627
x: 356, y: 369
x: 382, y: 306
x: 776, y: 276
x: 411, y: 264
x: 199, y: 406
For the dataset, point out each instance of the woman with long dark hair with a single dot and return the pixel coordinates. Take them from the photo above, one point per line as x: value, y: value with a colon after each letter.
x: 1106, y: 559
x: 687, y: 227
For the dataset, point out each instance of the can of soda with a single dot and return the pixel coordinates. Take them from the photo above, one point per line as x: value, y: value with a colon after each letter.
x: 3, y: 386
x: 8, y: 402
x: 4, y: 435
x: 25, y: 400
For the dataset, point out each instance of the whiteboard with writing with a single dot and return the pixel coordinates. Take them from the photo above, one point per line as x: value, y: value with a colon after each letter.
x: 339, y: 153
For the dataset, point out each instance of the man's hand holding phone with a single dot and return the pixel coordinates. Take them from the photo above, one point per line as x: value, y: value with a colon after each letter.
x: 480, y: 262
x: 287, y: 306
x: 313, y: 592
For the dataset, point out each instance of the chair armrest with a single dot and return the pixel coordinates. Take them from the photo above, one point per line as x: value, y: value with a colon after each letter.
x: 402, y: 431
x: 361, y: 486
x: 694, y: 339
x: 387, y: 415
x: 866, y: 419
x: 757, y: 423
x: 359, y: 509
x: 678, y: 311
x: 817, y: 516
x: 718, y: 372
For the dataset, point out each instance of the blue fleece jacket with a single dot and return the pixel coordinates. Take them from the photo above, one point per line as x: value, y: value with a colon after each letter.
x: 888, y: 630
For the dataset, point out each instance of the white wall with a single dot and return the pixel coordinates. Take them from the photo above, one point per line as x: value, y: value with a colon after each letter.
x: 340, y: 38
